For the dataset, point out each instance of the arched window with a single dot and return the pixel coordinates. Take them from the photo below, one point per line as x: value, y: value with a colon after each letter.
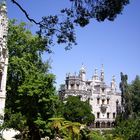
x: 108, y: 124
x: 114, y: 114
x: 103, y: 125
x: 72, y: 86
x: 97, y: 124
x: 98, y: 100
x: 107, y: 101
x: 98, y: 114
x: 103, y: 101
x: 0, y: 79
x: 108, y: 115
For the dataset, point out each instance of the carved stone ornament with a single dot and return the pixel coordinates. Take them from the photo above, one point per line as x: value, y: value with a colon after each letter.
x: 103, y: 108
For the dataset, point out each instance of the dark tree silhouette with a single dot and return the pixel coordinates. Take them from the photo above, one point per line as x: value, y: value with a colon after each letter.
x: 126, y: 97
x: 80, y: 13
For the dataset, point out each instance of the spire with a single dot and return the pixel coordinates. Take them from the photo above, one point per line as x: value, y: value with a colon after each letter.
x: 82, y: 73
x: 102, y: 73
x: 95, y: 76
x: 113, y: 83
x: 113, y: 78
x: 3, y: 7
x: 82, y: 70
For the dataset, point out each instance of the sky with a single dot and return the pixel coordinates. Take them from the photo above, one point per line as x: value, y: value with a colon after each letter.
x: 115, y: 44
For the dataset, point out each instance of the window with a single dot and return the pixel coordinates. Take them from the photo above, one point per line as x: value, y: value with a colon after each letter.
x: 107, y: 101
x: 103, y: 125
x: 117, y: 102
x: 108, y: 115
x: 77, y: 87
x: 0, y: 78
x: 114, y: 115
x: 98, y: 114
x: 103, y: 101
x: 72, y: 86
x: 97, y: 124
x: 103, y: 90
x: 98, y: 100
x: 108, y: 124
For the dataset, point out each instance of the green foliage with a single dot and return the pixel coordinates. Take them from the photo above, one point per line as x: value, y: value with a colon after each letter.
x: 76, y: 110
x: 71, y: 130
x: 126, y: 97
x: 128, y: 129
x: 31, y: 98
x: 62, y: 30
x: 135, y: 90
x: 64, y: 129
x: 95, y: 136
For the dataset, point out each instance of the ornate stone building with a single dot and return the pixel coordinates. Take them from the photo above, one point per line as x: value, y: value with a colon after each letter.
x: 104, y: 99
x: 3, y: 56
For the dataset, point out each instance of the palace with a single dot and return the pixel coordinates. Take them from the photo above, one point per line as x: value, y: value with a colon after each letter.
x: 3, y: 57
x: 104, y: 99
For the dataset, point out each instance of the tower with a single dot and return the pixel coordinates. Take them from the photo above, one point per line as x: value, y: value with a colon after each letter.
x: 95, y: 76
x: 102, y: 73
x: 113, y: 84
x: 3, y: 56
x: 82, y: 73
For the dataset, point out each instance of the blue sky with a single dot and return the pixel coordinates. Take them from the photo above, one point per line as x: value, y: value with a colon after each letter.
x: 115, y: 44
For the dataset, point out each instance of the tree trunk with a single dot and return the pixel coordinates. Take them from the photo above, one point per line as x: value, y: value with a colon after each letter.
x: 34, y: 133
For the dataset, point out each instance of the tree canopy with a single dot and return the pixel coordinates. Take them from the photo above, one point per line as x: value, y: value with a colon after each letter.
x: 127, y: 125
x: 135, y: 90
x: 31, y: 94
x: 62, y: 30
x: 76, y: 110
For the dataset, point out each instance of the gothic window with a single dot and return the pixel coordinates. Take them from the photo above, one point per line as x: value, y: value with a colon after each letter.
x: 98, y: 100
x: 108, y: 124
x: 72, y: 86
x: 103, y: 101
x: 114, y: 115
x: 0, y: 79
x: 108, y: 115
x: 103, y: 90
x: 117, y: 102
x: 97, y: 124
x: 103, y: 125
x: 98, y: 114
x: 77, y: 87
x: 107, y: 101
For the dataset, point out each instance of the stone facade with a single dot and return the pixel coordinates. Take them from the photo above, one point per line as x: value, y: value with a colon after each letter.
x: 3, y: 56
x: 104, y: 99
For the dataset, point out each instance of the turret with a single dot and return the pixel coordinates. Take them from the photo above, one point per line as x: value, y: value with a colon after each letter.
x: 113, y: 84
x: 95, y: 76
x: 82, y: 73
x: 102, y: 73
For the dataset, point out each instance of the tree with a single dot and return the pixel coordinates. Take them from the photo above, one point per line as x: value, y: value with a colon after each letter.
x: 72, y: 130
x: 80, y: 13
x: 128, y: 129
x: 135, y: 90
x: 76, y: 110
x: 56, y: 125
x: 65, y: 129
x: 126, y: 97
x: 30, y: 92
